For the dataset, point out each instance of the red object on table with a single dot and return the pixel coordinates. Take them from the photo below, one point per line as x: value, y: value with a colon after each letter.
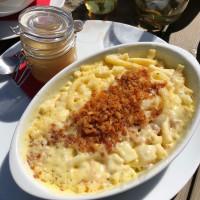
x: 42, y: 2
x: 31, y: 86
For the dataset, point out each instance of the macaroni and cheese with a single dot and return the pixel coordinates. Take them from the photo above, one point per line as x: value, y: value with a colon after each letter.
x: 110, y: 122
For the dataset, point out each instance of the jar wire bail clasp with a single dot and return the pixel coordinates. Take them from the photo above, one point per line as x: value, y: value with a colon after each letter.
x: 20, y: 75
x: 17, y: 76
x: 15, y: 29
x: 78, y: 26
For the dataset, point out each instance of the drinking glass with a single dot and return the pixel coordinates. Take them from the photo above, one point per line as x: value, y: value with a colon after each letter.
x: 154, y: 15
x: 100, y: 6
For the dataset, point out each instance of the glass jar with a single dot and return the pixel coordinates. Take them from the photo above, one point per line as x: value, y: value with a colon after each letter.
x: 48, y: 39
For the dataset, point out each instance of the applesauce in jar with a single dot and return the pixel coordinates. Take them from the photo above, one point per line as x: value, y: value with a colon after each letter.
x: 48, y: 39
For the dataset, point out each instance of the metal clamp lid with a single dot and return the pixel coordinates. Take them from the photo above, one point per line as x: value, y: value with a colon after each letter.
x: 46, y: 22
x: 17, y: 78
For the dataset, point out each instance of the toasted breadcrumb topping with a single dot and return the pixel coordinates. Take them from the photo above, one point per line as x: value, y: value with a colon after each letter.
x: 105, y: 119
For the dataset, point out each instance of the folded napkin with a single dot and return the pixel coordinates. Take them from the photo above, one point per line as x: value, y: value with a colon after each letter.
x: 31, y: 86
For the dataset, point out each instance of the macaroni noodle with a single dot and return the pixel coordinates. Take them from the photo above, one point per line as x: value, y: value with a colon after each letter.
x: 115, y: 119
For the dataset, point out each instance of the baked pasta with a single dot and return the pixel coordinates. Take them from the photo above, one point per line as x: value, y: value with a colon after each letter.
x: 112, y: 120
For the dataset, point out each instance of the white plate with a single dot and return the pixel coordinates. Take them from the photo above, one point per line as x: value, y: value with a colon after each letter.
x: 8, y: 8
x: 6, y: 32
x: 95, y: 36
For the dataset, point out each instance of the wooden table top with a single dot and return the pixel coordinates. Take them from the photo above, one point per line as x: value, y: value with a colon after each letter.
x: 184, y: 33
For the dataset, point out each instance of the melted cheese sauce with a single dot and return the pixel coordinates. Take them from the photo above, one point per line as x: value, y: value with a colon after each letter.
x: 68, y: 170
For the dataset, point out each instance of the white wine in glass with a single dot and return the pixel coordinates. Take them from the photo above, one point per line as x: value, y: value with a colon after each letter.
x: 100, y: 6
x: 155, y: 14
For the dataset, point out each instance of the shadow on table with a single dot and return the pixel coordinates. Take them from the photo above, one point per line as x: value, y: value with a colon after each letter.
x: 115, y: 35
x: 13, y: 101
x: 8, y: 188
x: 5, y: 44
x: 10, y: 191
